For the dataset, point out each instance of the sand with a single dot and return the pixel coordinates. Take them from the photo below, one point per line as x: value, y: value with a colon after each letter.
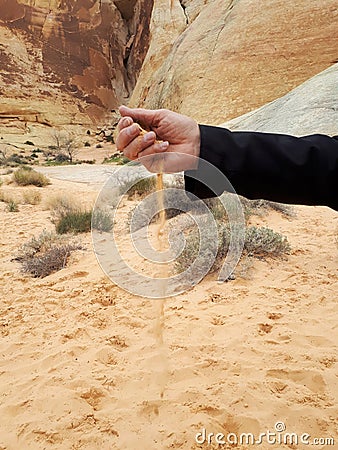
x: 81, y: 369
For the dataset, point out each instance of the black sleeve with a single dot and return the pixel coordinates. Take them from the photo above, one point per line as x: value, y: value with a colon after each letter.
x: 282, y: 168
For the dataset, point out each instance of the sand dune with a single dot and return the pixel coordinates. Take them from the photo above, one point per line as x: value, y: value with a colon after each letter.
x: 81, y: 368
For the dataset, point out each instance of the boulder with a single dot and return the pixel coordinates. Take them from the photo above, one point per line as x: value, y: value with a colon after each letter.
x: 310, y: 108
x: 225, y: 58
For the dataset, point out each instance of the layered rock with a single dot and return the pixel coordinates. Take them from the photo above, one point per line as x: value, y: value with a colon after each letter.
x: 233, y: 56
x: 70, y: 61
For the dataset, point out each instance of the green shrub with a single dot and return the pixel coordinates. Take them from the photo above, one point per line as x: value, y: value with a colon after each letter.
x: 260, y: 242
x: 12, y: 206
x: 141, y: 187
x: 102, y: 221
x: 265, y: 242
x: 24, y: 177
x: 74, y: 222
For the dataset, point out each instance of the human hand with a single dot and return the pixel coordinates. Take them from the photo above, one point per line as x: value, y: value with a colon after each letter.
x: 178, y: 149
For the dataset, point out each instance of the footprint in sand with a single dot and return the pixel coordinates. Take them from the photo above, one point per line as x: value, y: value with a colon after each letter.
x: 264, y: 328
x: 150, y: 409
x: 308, y: 378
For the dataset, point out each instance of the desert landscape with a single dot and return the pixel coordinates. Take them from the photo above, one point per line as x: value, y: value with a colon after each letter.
x: 88, y: 365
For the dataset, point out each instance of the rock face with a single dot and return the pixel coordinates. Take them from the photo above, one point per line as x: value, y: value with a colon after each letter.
x: 223, y: 58
x: 310, y: 108
x: 69, y: 61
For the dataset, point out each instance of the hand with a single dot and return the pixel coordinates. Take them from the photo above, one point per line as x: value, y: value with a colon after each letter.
x: 180, y: 136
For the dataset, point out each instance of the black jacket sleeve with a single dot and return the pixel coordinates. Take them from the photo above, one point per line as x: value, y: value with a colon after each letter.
x: 282, y: 168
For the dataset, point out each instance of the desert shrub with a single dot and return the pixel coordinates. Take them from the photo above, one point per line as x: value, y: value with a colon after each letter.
x: 24, y: 177
x: 31, y: 197
x: 12, y: 206
x: 29, y: 143
x: 141, y: 187
x: 45, y: 254
x: 265, y: 242
x: 119, y: 160
x: 102, y: 220
x: 261, y: 242
x: 61, y: 205
x: 87, y: 144
x: 74, y: 222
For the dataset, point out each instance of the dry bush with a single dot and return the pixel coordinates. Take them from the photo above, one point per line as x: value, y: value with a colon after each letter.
x: 61, y: 205
x: 265, y: 242
x: 45, y: 254
x: 31, y: 197
x: 259, y: 242
x: 26, y: 177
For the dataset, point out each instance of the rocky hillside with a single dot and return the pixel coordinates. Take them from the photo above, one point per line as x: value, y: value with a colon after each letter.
x: 218, y: 59
x: 69, y: 62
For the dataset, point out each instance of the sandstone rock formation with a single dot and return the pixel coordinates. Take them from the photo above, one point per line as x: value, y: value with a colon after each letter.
x: 310, y: 108
x: 69, y: 61
x: 223, y: 58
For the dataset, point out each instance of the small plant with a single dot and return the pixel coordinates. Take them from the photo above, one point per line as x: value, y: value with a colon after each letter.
x: 102, y: 221
x: 45, y: 254
x: 265, y: 242
x: 260, y: 242
x: 60, y: 206
x: 141, y: 187
x: 74, y: 222
x: 26, y: 177
x: 12, y: 206
x: 87, y: 144
x: 120, y: 160
x: 29, y: 143
x: 31, y: 197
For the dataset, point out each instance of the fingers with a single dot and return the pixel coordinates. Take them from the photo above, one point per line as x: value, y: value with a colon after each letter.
x: 144, y: 116
x: 157, y: 147
x: 124, y: 122
x: 132, y: 143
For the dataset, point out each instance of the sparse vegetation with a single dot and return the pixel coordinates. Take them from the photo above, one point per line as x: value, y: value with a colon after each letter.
x: 74, y: 222
x: 259, y: 242
x: 45, y: 254
x: 12, y: 206
x: 265, y: 242
x: 28, y: 176
x: 31, y: 197
x: 102, y: 220
x: 141, y: 187
x: 120, y: 160
x: 65, y: 145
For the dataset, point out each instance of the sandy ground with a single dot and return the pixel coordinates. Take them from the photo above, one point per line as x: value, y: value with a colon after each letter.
x: 81, y: 367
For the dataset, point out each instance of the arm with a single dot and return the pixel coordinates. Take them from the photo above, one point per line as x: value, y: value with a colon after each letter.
x: 275, y: 167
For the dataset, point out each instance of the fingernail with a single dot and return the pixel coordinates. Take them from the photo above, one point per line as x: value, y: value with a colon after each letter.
x: 126, y: 122
x: 164, y: 145
x: 132, y: 130
x: 149, y: 137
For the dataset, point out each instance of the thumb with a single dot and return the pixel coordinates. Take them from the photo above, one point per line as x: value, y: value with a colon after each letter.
x: 145, y: 116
